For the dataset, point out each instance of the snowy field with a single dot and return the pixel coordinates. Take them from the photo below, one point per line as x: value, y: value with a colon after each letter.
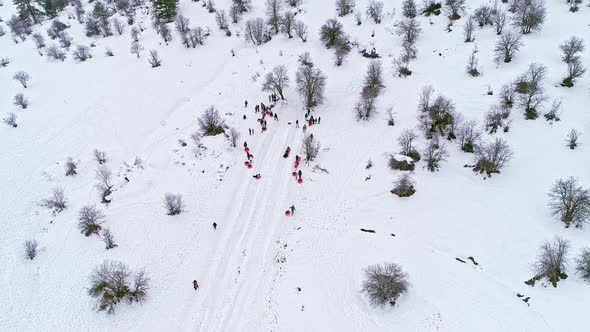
x: 261, y: 270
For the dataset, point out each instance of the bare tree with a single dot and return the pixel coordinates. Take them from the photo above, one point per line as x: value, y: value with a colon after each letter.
x: 468, y: 136
x: 301, y: 30
x: 310, y: 148
x: 435, y: 153
x: 499, y: 21
x: 276, y: 81
x: 409, y: 30
x: 104, y: 176
x: 210, y: 5
x: 10, y: 120
x: 572, y: 138
x: 575, y: 70
x: 71, y: 167
x: 136, y: 48
x: 341, y: 50
x: 31, y: 249
x: 165, y: 33
x: 375, y: 10
x: 409, y: 9
x: 53, y: 52
x: 21, y: 101
x: 154, y: 59
x: 492, y: 157
x: 22, y: 77
x: 331, y: 32
x: 173, y: 204
x: 288, y: 24
x: 583, y: 264
x: 496, y: 118
x: 39, y: 40
x: 311, y: 83
x: 404, y: 186
x: 507, y: 46
x: 221, y: 19
x: 194, y: 37
x: 344, y: 7
x: 108, y: 239
x: 552, y: 262
x: 528, y: 15
x: 242, y: 5
x: 406, y: 142
x: 468, y: 29
x: 82, y: 53
x: 235, y: 14
x: 454, y: 8
x: 472, y: 65
x: 211, y: 123
x: 366, y: 106
x: 89, y: 220
x: 507, y: 93
x: 571, y: 49
x: 569, y: 201
x: 273, y: 13
x: 110, y: 284
x: 233, y: 136
x: 529, y: 87
x: 57, y: 202
x: 119, y: 25
x: 384, y: 283
x: 256, y: 32
x: 100, y: 156
x: 135, y: 34
x: 182, y: 24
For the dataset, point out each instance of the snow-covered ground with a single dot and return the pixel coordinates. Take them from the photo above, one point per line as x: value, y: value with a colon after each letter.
x: 260, y: 270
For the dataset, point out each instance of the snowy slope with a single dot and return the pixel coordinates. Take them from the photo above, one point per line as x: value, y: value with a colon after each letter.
x: 249, y: 269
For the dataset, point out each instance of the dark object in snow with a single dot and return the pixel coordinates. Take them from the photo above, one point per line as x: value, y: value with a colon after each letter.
x: 473, y: 260
x: 392, y: 234
x: 460, y: 260
x: 367, y: 230
x: 195, y: 284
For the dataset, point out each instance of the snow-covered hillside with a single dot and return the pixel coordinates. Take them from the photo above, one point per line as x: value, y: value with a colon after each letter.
x: 261, y: 270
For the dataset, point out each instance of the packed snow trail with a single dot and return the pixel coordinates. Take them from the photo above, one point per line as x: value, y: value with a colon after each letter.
x: 243, y: 256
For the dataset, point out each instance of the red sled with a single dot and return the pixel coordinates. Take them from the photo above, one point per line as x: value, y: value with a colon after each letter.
x: 287, y: 213
x: 247, y: 149
x: 249, y: 165
x: 294, y: 173
x: 259, y: 120
x: 300, y: 181
x: 296, y: 165
x: 246, y: 163
x: 263, y: 129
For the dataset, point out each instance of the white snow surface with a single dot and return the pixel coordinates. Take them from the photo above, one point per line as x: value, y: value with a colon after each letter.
x: 250, y: 268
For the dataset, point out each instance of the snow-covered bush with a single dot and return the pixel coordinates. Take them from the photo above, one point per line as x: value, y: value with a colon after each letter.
x: 406, y: 142
x: 71, y: 167
x: 55, y: 53
x: 31, y: 249
x: 384, y: 283
x: 100, y: 156
x: 232, y: 136
x: 108, y: 239
x: 569, y: 201
x: 57, y: 202
x: 211, y: 123
x: 409, y: 9
x: 404, y: 186
x: 453, y: 8
x: 104, y: 184
x: 10, y: 120
x: 21, y: 101
x: 173, y: 204
x: 110, y: 284
x: 154, y: 59
x: 583, y: 264
x: 552, y: 262
x: 491, y: 157
x: 89, y: 220
x: 22, y: 77
x: 344, y: 7
x: 375, y: 10
x: 572, y: 138
x: 401, y: 163
x: 468, y: 136
x: 82, y: 53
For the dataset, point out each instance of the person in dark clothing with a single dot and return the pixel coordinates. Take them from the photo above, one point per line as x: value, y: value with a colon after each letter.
x: 276, y: 117
x: 292, y: 209
x: 297, y: 158
x: 245, y: 144
x: 319, y: 119
x: 195, y: 284
x: 296, y: 123
x: 257, y: 176
x: 299, y: 173
x: 214, y: 225
x: 246, y: 104
x: 244, y: 117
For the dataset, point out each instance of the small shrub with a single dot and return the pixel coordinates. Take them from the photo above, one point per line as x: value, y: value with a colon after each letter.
x: 404, y: 186
x: 551, y: 263
x: 401, y: 164
x: 109, y: 240
x: 492, y: 156
x: 21, y: 101
x: 81, y: 53
x: 71, y: 167
x: 569, y: 201
x: 89, y: 220
x: 211, y: 123
x: 384, y: 283
x: 173, y: 204
x: 104, y: 185
x: 583, y: 264
x: 100, y: 156
x: 10, y: 120
x: 57, y: 202
x: 31, y: 249
x: 572, y: 138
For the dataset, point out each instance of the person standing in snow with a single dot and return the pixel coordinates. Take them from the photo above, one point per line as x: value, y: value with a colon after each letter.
x: 304, y: 128
x: 319, y: 119
x: 195, y: 284
x: 299, y: 173
x: 292, y: 209
x: 245, y: 144
x: 246, y: 104
x: 214, y: 226
x: 296, y: 123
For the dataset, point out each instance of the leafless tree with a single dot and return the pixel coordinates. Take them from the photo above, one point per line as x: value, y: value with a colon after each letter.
x: 82, y: 53
x: 71, y: 167
x: 575, y: 70
x: 344, y: 7
x: 235, y: 14
x: 21, y: 101
x: 136, y: 49
x: 288, y: 24
x: 491, y: 157
x: 571, y: 49
x: 409, y: 9
x: 256, y: 32
x: 221, y: 19
x: 165, y: 33
x: 409, y: 30
x: 468, y: 29
x: 311, y: 83
x: 104, y: 177
x: 39, y: 40
x: 499, y: 19
x: 65, y: 41
x: 507, y: 93
x: 173, y: 204
x: 301, y: 30
x: 366, y: 106
x: 528, y: 15
x: 119, y: 25
x: 273, y: 13
x: 404, y: 186
x: 435, y: 153
x: 483, y: 15
x: 233, y: 136
x: 454, y: 8
x: 583, y: 264
x: 100, y: 156
x: 276, y: 81
x: 406, y: 142
x: 243, y: 5
x: 472, y: 65
x: 90, y: 220
x: 110, y: 284
x: 57, y: 202
x: 529, y: 87
x: 384, y: 283
x: 194, y: 37
x: 310, y: 148
x: 341, y: 50
x: 53, y: 52
x: 109, y: 52
x: 507, y: 46
x: 211, y: 123
x: 375, y: 10
x: 468, y: 136
x: 182, y: 24
x: 10, y: 120
x: 552, y: 261
x: 135, y: 32
x: 154, y: 59
x: 210, y: 5
x: 108, y: 239
x: 496, y: 118
x: 569, y: 201
x: 572, y: 138
x: 31, y: 249
x: 22, y: 77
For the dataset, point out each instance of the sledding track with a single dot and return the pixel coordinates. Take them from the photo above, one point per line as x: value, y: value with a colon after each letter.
x: 250, y: 222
